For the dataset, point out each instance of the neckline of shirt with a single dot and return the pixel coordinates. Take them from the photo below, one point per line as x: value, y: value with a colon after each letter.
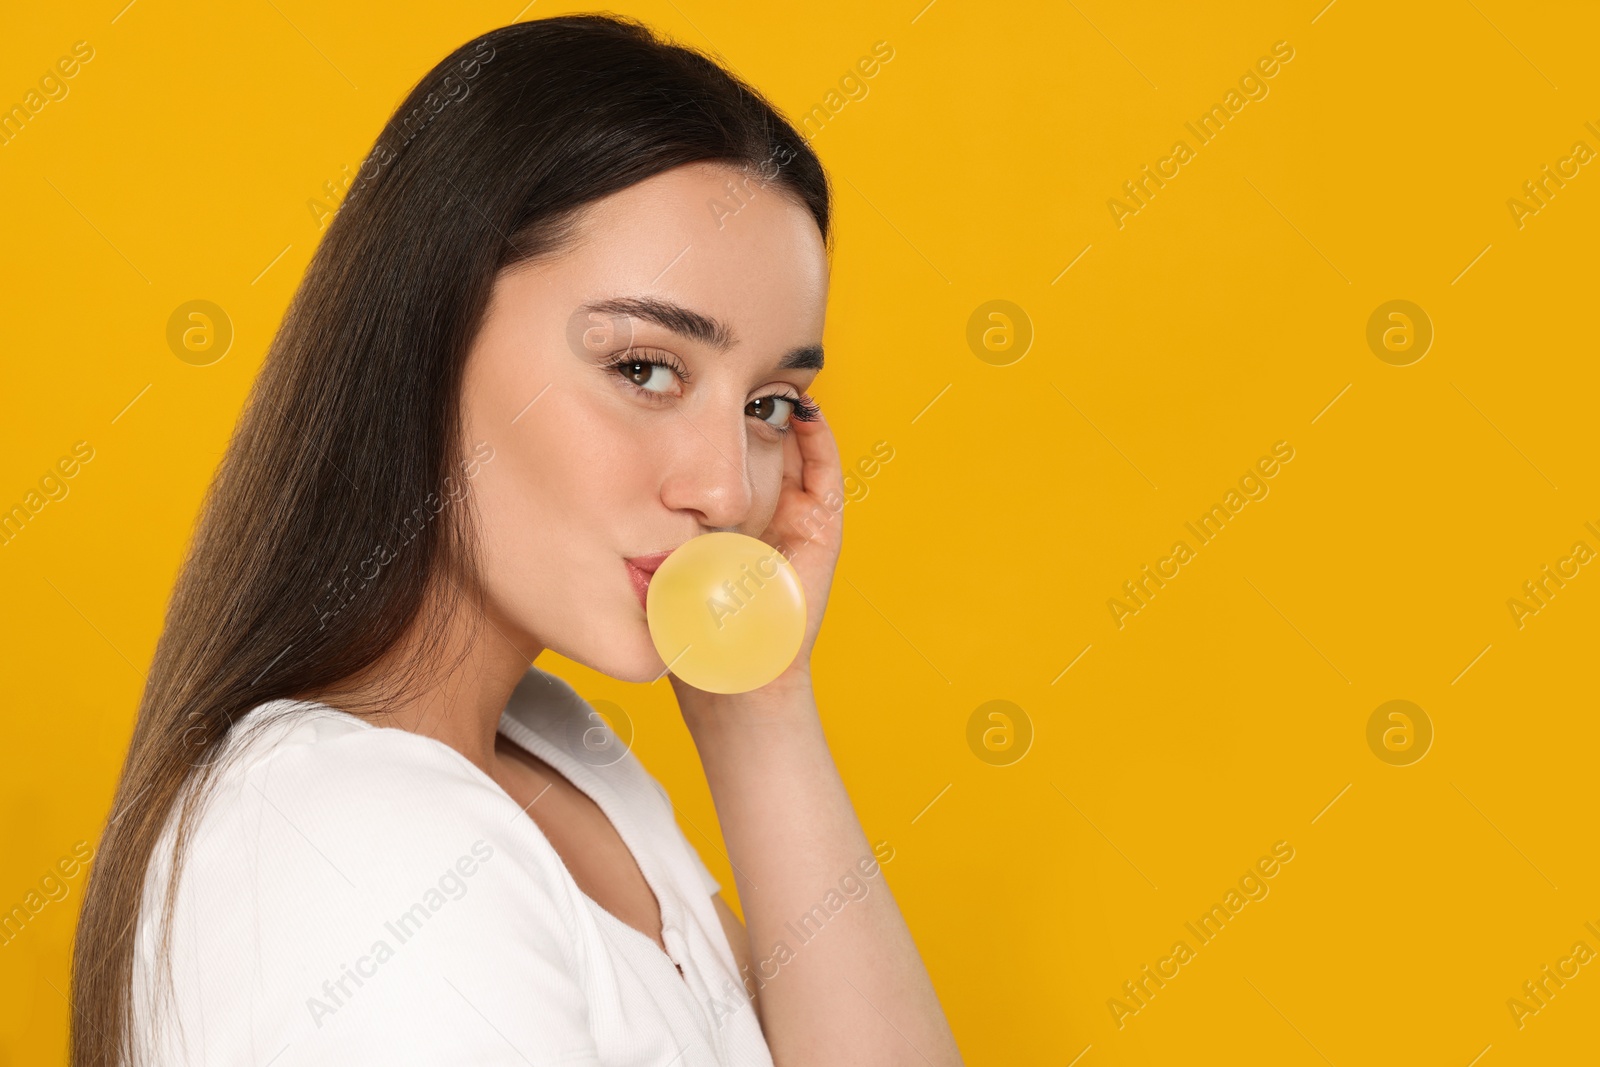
x: 595, y: 786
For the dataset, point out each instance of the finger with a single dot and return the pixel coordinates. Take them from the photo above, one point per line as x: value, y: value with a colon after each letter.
x: 792, y: 463
x: 820, y: 471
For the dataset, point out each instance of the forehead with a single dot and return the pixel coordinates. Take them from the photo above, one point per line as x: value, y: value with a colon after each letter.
x: 713, y: 239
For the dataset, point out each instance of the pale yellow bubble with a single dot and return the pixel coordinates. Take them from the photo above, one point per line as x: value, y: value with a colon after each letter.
x: 726, y: 612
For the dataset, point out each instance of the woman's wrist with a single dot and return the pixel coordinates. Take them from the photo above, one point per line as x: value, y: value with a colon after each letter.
x: 785, y: 699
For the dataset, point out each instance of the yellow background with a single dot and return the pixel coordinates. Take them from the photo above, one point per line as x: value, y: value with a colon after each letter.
x: 1224, y: 316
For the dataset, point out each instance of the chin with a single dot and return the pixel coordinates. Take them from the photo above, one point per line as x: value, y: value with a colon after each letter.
x: 643, y: 668
x: 626, y: 652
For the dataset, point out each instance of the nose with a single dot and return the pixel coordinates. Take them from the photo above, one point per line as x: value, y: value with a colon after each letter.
x: 708, y: 470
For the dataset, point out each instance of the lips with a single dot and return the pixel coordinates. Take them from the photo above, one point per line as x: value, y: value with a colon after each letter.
x: 640, y: 569
x: 648, y: 564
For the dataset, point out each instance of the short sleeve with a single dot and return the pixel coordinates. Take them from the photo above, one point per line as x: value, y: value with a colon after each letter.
x: 367, y: 897
x: 667, y: 812
x: 707, y: 879
x: 554, y: 712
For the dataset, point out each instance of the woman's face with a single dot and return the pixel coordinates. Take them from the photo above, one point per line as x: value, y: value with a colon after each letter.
x: 709, y: 276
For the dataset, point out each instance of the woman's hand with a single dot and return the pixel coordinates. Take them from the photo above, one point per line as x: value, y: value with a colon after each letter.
x: 792, y: 833
x: 807, y: 528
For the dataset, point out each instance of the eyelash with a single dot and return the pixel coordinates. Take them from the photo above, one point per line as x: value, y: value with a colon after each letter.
x: 805, y: 409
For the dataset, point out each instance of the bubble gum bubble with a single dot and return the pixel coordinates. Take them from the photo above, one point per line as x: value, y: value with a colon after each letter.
x: 726, y: 612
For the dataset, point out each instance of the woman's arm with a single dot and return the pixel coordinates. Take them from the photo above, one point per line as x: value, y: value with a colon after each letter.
x: 738, y: 940
x: 841, y: 981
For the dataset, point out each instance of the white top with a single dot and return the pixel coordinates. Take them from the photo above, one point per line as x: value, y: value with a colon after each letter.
x: 356, y: 894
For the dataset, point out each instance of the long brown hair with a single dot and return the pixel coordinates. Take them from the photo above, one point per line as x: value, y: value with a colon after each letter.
x: 353, y: 424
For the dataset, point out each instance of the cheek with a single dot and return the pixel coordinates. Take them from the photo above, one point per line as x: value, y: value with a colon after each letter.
x: 766, y: 480
x: 553, y: 507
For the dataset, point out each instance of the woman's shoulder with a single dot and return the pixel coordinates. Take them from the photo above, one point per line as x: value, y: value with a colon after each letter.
x: 316, y: 821
x: 329, y: 853
x: 290, y: 746
x: 313, y: 794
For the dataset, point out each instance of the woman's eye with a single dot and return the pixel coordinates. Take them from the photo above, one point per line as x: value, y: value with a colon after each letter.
x: 764, y: 407
x: 654, y: 380
x: 651, y: 377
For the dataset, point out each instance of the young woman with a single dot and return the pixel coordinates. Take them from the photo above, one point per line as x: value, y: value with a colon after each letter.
x: 563, y: 322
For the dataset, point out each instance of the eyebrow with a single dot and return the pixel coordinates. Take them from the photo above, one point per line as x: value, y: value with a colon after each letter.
x: 686, y: 322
